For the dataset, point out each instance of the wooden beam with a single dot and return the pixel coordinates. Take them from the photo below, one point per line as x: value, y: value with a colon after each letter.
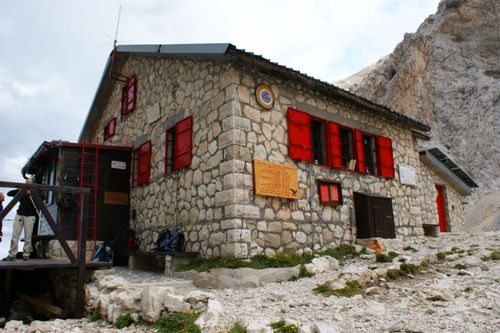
x: 12, y: 203
x: 67, y: 189
x: 40, y: 305
x: 82, y: 252
x: 55, y: 227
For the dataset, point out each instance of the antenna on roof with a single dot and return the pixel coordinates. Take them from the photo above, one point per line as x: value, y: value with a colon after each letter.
x: 117, y: 27
x: 114, y: 75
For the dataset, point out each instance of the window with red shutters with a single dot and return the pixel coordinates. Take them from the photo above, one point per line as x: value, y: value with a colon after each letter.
x: 385, y: 157
x: 109, y: 129
x: 129, y: 95
x: 299, y: 135
x: 334, y: 145
x: 360, y: 152
x: 143, y: 163
x: 179, y: 145
x: 330, y: 193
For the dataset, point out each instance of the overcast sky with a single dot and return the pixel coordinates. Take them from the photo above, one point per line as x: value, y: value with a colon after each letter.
x: 53, y: 52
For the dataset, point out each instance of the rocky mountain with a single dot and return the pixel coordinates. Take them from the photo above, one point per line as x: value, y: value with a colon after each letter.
x: 447, y: 74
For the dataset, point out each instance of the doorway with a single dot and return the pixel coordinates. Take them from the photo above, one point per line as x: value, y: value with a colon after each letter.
x: 440, y: 208
x: 374, y: 216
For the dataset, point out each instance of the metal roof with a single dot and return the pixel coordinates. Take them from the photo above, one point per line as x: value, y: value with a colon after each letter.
x: 441, y: 163
x: 232, y: 53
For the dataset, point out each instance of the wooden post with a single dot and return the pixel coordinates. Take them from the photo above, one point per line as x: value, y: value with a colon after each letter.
x: 82, y: 245
x: 12, y: 203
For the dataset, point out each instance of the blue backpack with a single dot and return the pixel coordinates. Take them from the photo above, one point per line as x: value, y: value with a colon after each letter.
x: 168, y: 242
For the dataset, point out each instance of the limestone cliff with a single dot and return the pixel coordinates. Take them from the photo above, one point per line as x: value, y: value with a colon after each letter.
x: 447, y: 74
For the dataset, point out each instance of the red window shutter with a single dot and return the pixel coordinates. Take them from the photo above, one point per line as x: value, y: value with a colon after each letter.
x: 334, y: 145
x: 299, y: 135
x: 128, y: 95
x: 324, y: 196
x: 360, y: 152
x: 385, y: 157
x: 144, y: 163
x: 183, y: 143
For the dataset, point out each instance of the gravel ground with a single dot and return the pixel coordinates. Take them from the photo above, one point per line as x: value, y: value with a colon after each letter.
x: 442, y: 298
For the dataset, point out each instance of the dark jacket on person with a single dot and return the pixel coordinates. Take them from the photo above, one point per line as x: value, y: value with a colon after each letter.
x: 26, y: 207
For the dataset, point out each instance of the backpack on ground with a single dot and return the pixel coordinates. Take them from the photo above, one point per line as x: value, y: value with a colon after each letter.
x: 171, y: 244
x: 103, y: 253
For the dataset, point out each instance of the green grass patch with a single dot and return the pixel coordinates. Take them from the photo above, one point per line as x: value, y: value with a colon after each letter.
x: 459, y: 266
x: 123, y: 321
x: 441, y: 255
x: 282, y: 327
x: 351, y: 289
x: 410, y: 248
x: 237, y: 328
x: 424, y: 264
x: 393, y: 274
x: 457, y: 250
x: 495, y: 255
x: 177, y: 323
x: 282, y: 259
x: 95, y: 316
x: 389, y: 257
x: 408, y: 268
x: 342, y: 252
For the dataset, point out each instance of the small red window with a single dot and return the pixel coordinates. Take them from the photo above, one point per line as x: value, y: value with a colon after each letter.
x: 109, y: 129
x: 143, y: 163
x: 329, y: 192
x: 129, y: 95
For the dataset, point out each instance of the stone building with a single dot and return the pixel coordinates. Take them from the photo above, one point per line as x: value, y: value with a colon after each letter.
x: 247, y: 156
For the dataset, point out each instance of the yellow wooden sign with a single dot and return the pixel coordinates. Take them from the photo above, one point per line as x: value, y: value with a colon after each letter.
x: 275, y: 180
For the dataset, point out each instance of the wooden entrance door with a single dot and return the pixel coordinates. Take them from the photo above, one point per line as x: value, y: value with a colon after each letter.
x: 374, y: 216
x: 440, y: 209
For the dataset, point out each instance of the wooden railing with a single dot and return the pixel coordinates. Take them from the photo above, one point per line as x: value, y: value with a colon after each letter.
x: 34, y: 191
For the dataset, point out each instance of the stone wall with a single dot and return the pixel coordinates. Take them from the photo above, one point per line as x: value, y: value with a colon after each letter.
x: 213, y: 199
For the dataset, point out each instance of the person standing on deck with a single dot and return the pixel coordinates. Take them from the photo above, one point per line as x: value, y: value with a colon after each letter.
x: 25, y: 219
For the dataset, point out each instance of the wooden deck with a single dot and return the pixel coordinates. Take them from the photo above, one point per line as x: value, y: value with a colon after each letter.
x: 32, y: 264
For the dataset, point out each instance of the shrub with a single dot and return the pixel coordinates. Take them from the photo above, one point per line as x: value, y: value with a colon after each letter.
x: 177, y: 323
x: 495, y: 255
x: 424, y: 264
x: 123, y: 321
x: 459, y: 266
x: 282, y: 327
x: 342, y: 252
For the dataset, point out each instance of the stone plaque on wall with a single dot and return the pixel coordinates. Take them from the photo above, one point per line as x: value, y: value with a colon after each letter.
x: 275, y: 180
x: 407, y: 175
x: 153, y: 113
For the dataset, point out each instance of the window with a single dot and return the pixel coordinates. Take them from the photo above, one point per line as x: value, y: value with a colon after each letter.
x: 330, y: 193
x: 370, y: 154
x: 143, y: 154
x: 318, y: 141
x: 169, y: 153
x: 346, y: 146
x: 179, y: 145
x: 109, y: 129
x: 128, y: 95
x: 324, y: 142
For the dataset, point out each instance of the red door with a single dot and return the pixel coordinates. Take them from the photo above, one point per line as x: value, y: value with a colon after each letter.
x: 440, y: 208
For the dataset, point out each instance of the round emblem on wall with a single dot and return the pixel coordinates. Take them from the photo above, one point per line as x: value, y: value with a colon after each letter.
x: 265, y: 96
